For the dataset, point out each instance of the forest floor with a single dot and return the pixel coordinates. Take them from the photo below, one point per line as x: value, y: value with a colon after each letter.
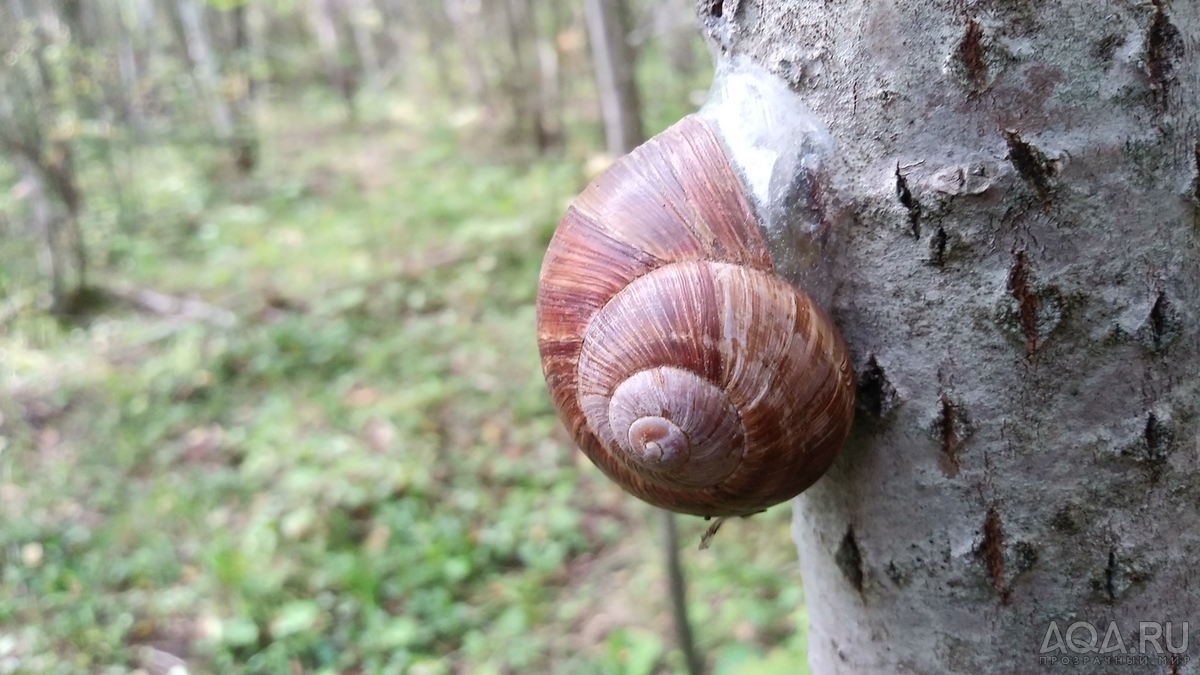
x: 338, y: 456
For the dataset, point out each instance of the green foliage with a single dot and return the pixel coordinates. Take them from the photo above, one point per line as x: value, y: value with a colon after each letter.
x: 365, y: 473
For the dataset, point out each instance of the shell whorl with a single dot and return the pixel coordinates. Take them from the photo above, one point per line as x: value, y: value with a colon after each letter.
x: 684, y: 366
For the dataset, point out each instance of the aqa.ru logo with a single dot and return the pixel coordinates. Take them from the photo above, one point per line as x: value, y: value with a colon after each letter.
x: 1152, y: 638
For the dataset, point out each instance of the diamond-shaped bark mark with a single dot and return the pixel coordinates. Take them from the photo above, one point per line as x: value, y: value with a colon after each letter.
x: 1025, y: 557
x: 719, y: 18
x: 1020, y: 287
x: 910, y: 203
x: 937, y: 247
x: 1068, y: 519
x: 1120, y: 573
x: 970, y: 50
x: 1158, y: 436
x: 1106, y: 47
x: 1110, y: 574
x: 1151, y: 442
x: 1164, y: 44
x: 849, y: 560
x: 1030, y: 310
x: 1158, y: 318
x: 1196, y: 184
x: 990, y: 552
x: 975, y: 61
x: 876, y: 395
x: 1034, y: 167
x: 951, y: 428
x: 1162, y: 325
x: 719, y: 9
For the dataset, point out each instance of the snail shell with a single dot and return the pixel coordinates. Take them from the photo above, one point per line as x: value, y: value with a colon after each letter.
x: 684, y: 366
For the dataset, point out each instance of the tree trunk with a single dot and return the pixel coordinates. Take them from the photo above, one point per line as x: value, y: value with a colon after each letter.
x: 517, y: 78
x: 129, y: 70
x: 464, y: 18
x: 673, y: 28
x: 613, y: 58
x: 341, y: 76
x: 42, y: 221
x: 360, y: 15
x: 245, y: 140
x: 204, y: 66
x: 25, y: 135
x: 1020, y: 287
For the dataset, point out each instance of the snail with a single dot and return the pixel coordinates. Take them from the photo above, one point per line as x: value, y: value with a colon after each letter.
x: 679, y: 315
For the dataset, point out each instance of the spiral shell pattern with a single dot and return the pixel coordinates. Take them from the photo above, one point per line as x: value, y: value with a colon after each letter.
x: 685, y: 368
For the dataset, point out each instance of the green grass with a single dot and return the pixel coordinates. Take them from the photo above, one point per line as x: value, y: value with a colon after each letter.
x: 365, y: 473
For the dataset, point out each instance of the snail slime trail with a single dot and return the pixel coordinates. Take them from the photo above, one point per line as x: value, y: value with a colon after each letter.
x: 679, y: 309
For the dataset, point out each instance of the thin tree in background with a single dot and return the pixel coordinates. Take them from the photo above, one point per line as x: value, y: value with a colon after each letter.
x: 194, y: 34
x: 342, y: 76
x: 244, y: 85
x: 129, y: 68
x: 361, y: 16
x: 46, y: 159
x: 614, y: 60
x: 522, y: 79
x: 550, y: 76
x: 676, y: 29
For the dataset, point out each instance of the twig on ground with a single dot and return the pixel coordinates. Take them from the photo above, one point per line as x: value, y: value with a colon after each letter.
x: 156, y: 302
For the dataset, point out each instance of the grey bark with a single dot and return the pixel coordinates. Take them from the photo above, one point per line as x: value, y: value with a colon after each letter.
x: 550, y: 96
x: 47, y: 160
x: 42, y: 221
x: 613, y: 58
x: 1020, y: 287
x: 128, y: 69
x: 342, y: 77
x: 674, y: 28
x: 464, y: 18
x: 257, y: 20
x: 360, y: 14
x: 245, y: 141
x: 550, y: 77
x: 518, y: 77
x: 204, y: 66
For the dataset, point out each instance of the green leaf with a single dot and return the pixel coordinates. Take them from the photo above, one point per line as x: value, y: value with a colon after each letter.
x: 299, y: 616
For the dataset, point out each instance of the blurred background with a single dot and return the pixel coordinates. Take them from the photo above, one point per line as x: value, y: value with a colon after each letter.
x: 270, y: 399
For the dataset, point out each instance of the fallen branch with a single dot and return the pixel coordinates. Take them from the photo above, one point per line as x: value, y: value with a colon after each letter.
x: 156, y: 302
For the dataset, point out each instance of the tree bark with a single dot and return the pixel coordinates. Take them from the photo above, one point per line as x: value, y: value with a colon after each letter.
x: 128, y: 69
x: 204, y: 66
x: 613, y: 58
x: 25, y: 135
x: 464, y: 19
x: 360, y: 15
x: 245, y: 140
x: 42, y: 221
x: 518, y: 77
x: 1020, y: 287
x: 673, y: 28
x: 342, y: 77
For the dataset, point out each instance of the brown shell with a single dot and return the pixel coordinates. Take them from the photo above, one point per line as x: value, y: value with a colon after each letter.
x: 684, y: 367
